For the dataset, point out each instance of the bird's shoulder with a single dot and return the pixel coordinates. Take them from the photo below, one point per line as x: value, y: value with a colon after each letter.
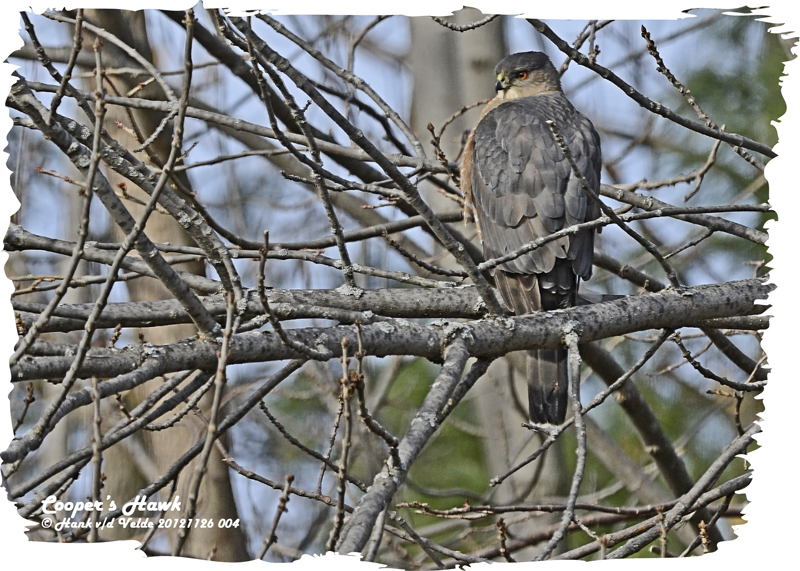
x: 533, y: 111
x: 514, y: 129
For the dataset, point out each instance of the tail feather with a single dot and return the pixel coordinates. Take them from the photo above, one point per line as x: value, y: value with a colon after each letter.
x: 547, y: 385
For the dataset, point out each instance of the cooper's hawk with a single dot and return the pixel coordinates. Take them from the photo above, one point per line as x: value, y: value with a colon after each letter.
x: 523, y: 188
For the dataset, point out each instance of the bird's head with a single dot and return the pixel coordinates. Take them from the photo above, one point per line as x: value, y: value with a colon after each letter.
x: 524, y: 74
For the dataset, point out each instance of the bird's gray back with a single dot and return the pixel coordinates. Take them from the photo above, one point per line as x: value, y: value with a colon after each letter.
x: 524, y: 188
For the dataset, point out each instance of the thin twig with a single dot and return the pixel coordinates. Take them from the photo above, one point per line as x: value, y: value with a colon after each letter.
x: 212, y: 432
x: 464, y: 27
x: 313, y: 453
x: 459, y: 113
x: 338, y: 520
x: 77, y: 42
x: 332, y: 439
x: 97, y: 460
x: 377, y: 535
x: 748, y: 386
x: 83, y: 229
x: 27, y: 401
x: 191, y: 405
x: 705, y: 234
x: 276, y: 324
x: 723, y: 507
x: 579, y: 58
x: 284, y: 499
x: 422, y: 263
x: 152, y: 531
x: 593, y: 26
x: 673, y: 366
x: 452, y: 172
x: 701, y: 172
x: 501, y: 532
x: 319, y: 181
x: 351, y: 55
x: 571, y: 339
x: 373, y: 425
x: 687, y: 95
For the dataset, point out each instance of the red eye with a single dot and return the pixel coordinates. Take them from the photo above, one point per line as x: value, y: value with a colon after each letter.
x: 522, y: 74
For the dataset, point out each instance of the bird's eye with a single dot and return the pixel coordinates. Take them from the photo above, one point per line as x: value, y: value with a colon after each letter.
x: 522, y: 74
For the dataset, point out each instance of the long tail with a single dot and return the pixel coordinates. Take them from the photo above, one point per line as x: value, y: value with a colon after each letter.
x: 548, y: 382
x: 548, y: 385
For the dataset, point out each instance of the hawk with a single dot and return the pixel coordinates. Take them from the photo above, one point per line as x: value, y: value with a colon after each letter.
x: 522, y: 188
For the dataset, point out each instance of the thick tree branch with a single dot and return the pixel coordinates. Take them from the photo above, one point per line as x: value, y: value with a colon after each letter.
x: 672, y: 309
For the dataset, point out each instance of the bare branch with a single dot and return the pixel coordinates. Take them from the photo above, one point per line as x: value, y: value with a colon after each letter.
x: 662, y: 68
x: 465, y: 27
x: 648, y: 104
x: 271, y: 537
x: 673, y: 309
x: 428, y: 418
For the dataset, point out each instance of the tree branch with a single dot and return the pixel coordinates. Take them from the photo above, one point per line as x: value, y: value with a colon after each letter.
x: 358, y: 527
x: 687, y: 307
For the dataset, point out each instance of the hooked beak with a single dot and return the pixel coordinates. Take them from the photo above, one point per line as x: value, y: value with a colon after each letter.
x: 499, y: 84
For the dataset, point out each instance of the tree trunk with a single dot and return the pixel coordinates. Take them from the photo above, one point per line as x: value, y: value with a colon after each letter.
x: 130, y: 475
